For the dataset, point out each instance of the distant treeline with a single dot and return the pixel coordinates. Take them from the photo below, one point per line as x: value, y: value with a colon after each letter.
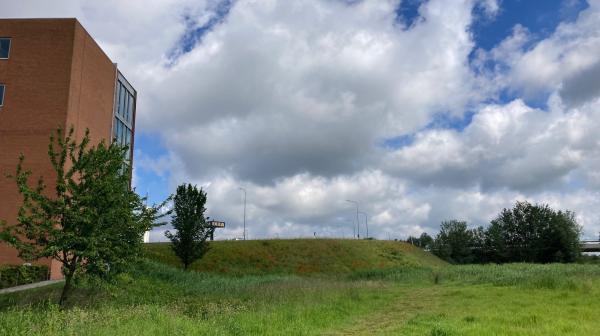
x: 525, y: 233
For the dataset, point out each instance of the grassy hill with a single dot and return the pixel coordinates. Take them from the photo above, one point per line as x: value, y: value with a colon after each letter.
x: 300, y: 256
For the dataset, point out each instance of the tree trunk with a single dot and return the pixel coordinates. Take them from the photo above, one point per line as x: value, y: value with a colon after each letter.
x: 70, y: 271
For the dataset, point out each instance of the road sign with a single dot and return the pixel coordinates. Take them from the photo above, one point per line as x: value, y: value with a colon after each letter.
x: 216, y: 224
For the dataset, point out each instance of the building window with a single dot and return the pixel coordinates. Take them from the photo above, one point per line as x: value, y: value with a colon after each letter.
x: 130, y: 109
x: 124, y: 110
x: 1, y: 94
x: 4, y: 48
x: 121, y: 100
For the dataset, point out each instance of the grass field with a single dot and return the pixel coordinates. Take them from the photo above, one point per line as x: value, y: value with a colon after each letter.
x: 411, y: 298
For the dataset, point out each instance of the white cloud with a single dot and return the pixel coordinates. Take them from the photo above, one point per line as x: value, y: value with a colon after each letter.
x: 282, y: 89
x: 505, y: 146
x: 532, y: 68
x: 292, y: 100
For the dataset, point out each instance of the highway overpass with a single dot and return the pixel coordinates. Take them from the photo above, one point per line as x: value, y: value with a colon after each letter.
x: 590, y: 246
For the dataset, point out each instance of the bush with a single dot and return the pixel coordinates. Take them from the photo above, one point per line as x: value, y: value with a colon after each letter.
x: 11, y: 276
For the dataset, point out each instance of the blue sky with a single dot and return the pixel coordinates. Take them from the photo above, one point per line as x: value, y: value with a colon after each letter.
x: 149, y: 182
x: 195, y: 31
x: 539, y: 17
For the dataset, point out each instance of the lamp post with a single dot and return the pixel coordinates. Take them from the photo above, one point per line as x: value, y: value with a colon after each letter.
x: 357, y: 221
x: 244, y: 190
x: 366, y: 222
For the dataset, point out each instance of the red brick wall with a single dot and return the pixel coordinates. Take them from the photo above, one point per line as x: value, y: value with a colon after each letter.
x: 93, y: 79
x: 56, y: 76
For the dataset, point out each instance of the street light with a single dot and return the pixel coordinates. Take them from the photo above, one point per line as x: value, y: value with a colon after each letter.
x: 366, y: 222
x: 357, y: 222
x: 244, y: 190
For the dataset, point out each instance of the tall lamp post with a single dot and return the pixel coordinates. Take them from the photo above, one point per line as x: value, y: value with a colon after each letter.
x: 244, y: 190
x: 366, y: 222
x: 357, y: 221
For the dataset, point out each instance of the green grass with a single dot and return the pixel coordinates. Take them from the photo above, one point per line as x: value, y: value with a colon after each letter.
x: 514, y: 299
x: 300, y: 256
x: 411, y: 298
x: 492, y: 310
x: 165, y: 299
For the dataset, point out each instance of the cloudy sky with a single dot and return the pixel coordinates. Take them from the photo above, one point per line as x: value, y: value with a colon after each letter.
x: 420, y: 110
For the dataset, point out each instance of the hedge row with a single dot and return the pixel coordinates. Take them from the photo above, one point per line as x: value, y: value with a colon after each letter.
x: 19, y: 275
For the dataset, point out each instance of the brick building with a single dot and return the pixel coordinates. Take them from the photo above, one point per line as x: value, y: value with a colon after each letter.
x: 53, y: 74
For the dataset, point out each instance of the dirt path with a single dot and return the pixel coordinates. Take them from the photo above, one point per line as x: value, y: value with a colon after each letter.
x: 407, y: 305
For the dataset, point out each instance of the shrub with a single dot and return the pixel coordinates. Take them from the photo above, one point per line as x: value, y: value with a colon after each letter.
x: 20, y: 275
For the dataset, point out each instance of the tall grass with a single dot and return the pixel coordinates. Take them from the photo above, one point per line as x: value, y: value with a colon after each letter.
x: 158, y: 299
x: 548, y: 276
x: 409, y: 296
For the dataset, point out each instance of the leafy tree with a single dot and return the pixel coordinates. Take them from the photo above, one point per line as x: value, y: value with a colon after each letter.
x: 189, y: 241
x: 89, y: 219
x: 423, y: 241
x: 525, y: 233
x: 534, y: 233
x: 479, y: 248
x: 453, y: 243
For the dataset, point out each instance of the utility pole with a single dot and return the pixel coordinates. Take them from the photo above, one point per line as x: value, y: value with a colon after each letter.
x: 366, y: 222
x: 244, y: 190
x: 357, y: 221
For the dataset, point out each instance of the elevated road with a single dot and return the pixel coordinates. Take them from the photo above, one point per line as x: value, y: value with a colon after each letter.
x: 590, y: 246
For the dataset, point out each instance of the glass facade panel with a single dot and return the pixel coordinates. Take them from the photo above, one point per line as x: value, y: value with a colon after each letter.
x: 4, y: 48
x: 123, y: 134
x: 121, y: 100
x: 130, y: 110
x: 123, y: 114
x: 118, y: 137
x: 126, y: 139
x: 125, y: 102
x: 118, y: 99
x: 124, y: 105
x: 129, y: 103
x: 2, y: 94
x: 125, y: 96
x: 115, y: 128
